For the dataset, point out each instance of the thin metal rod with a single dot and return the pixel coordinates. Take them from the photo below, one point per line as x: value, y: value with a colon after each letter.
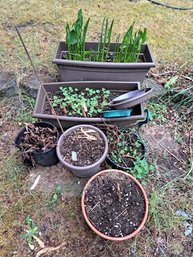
x: 38, y: 79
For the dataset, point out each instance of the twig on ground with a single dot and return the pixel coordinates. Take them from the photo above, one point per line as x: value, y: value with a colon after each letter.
x: 50, y: 249
x: 168, y: 151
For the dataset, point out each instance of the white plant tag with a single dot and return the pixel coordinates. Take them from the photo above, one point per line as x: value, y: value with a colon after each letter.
x: 74, y: 156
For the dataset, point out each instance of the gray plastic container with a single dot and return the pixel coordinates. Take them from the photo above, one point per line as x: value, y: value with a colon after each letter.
x: 67, y: 121
x: 71, y: 70
x: 86, y: 171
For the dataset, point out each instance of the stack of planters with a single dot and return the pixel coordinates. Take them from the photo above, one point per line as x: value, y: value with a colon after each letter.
x: 93, y: 75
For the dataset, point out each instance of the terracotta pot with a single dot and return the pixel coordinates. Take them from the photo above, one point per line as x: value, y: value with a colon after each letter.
x: 90, y: 224
x: 86, y: 171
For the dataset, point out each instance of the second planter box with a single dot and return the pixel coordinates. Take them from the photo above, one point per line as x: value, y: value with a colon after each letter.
x: 66, y: 121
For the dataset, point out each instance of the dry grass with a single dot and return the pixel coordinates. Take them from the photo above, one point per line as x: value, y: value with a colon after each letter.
x: 62, y: 221
x: 43, y: 23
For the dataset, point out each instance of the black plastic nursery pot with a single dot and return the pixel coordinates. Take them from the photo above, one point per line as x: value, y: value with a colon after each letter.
x: 47, y: 158
x: 68, y: 121
x: 71, y: 70
x: 114, y: 165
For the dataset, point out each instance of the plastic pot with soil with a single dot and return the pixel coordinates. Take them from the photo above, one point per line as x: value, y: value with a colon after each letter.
x: 73, y: 70
x: 82, y: 149
x: 37, y: 143
x: 129, y: 59
x: 114, y: 205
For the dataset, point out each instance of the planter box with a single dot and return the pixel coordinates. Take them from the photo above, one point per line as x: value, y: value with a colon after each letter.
x: 103, y: 71
x: 66, y: 122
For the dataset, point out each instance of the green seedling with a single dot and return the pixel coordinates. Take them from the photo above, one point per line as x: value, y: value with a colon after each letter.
x: 126, y: 51
x: 87, y: 102
x: 30, y: 232
x: 141, y: 168
x: 55, y: 196
x: 170, y: 83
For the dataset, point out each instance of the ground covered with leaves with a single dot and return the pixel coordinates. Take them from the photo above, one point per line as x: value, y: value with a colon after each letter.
x: 48, y: 221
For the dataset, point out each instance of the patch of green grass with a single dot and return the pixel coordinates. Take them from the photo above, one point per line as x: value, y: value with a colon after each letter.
x: 25, y: 112
x: 157, y: 111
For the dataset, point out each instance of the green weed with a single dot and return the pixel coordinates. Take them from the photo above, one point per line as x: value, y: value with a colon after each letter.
x: 30, y: 232
x: 157, y: 111
x: 25, y: 113
x: 54, y: 198
x: 141, y: 168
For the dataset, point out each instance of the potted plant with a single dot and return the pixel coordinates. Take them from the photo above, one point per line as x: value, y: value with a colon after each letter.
x: 37, y: 143
x: 128, y: 59
x: 114, y: 205
x: 82, y: 149
x: 73, y: 108
x: 125, y: 147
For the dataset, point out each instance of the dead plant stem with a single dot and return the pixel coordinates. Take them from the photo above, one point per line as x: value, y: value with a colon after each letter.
x: 38, y: 79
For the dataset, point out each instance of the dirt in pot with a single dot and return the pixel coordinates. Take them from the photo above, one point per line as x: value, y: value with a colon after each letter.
x: 82, y: 147
x: 75, y: 102
x: 125, y: 147
x: 37, y: 139
x: 114, y: 204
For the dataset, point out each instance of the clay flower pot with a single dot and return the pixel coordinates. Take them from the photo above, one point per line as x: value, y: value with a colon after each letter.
x: 90, y: 224
x: 82, y: 171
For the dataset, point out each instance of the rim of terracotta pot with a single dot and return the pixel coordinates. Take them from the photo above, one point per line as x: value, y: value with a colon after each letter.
x: 82, y: 168
x: 90, y: 224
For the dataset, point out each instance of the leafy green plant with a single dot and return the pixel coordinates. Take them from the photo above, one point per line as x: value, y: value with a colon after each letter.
x: 157, y: 111
x: 129, y: 49
x: 54, y: 197
x: 126, y: 51
x: 141, y: 168
x: 87, y: 102
x: 75, y: 38
x: 30, y: 232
